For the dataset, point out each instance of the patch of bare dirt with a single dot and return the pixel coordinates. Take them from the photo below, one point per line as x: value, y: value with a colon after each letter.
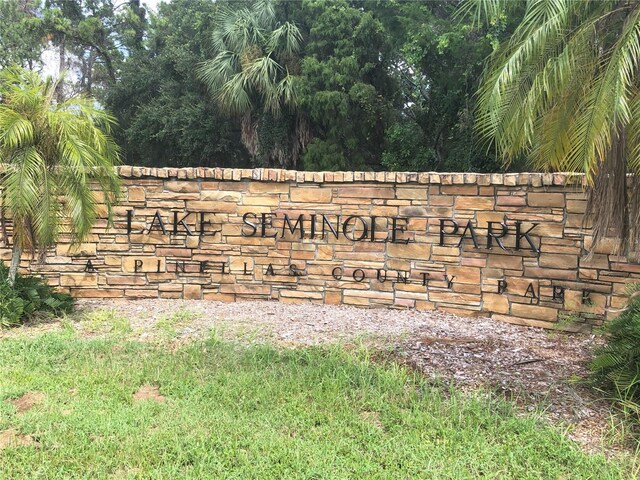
x: 148, y: 392
x: 13, y: 438
x: 27, y: 401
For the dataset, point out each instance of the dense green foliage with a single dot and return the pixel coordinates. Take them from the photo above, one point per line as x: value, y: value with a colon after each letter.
x: 355, y: 84
x: 27, y: 297
x: 165, y: 114
x: 255, y: 412
x: 616, y: 365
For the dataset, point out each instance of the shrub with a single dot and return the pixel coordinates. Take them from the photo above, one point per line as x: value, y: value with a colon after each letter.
x: 616, y: 365
x: 29, y: 296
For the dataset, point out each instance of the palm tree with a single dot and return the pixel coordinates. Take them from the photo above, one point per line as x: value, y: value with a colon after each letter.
x: 252, y: 77
x: 52, y: 156
x: 565, y: 92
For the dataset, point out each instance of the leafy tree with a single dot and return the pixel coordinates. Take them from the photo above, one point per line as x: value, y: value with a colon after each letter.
x: 347, y: 88
x: 93, y: 37
x: 166, y: 115
x: 252, y: 77
x: 438, y: 62
x: 52, y: 154
x: 564, y: 91
x: 22, y: 36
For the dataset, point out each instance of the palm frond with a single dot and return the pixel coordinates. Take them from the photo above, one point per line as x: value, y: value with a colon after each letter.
x: 54, y: 155
x: 285, y: 39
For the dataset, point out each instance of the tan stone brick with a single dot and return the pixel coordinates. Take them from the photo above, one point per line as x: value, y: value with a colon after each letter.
x: 411, y: 250
x: 551, y: 260
x: 535, y: 312
x: 79, y: 280
x: 126, y: 280
x: 303, y: 294
x: 220, y: 196
x: 82, y: 249
x: 140, y: 293
x: 192, y: 241
x: 545, y: 199
x: 573, y: 302
x: 411, y: 193
x: 524, y: 321
x: 182, y: 186
x: 357, y: 301
x: 511, y: 201
x: 459, y: 190
x: 174, y: 252
x: 264, y: 187
x: 332, y: 298
x: 263, y: 200
x: 454, y: 297
x: 550, y: 273
x: 136, y: 194
x: 143, y: 264
x: 97, y: 293
x: 474, y: 203
x: 248, y: 289
x: 310, y: 195
x: 492, y: 302
x: 220, y: 297
x: 464, y: 274
x: 207, y: 206
x: 192, y: 292
x: 511, y: 262
x: 576, y: 206
x: 366, y: 192
x: 112, y: 261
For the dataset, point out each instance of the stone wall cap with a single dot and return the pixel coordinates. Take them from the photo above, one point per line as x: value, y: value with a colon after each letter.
x: 425, y: 178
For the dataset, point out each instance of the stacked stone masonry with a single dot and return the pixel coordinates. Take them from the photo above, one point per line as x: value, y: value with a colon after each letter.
x: 380, y: 239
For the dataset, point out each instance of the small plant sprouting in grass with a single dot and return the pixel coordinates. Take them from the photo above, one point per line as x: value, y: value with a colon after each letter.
x: 168, y: 324
x: 106, y: 320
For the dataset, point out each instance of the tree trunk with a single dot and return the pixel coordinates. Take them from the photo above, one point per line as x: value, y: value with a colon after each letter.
x: 61, y: 65
x: 15, y: 263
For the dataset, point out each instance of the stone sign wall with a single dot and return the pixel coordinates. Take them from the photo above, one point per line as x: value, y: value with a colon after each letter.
x: 510, y: 246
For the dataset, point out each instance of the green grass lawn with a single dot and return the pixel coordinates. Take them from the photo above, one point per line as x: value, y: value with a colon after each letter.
x: 254, y: 412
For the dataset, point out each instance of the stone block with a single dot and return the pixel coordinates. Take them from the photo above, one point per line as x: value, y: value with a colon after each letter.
x: 418, y: 251
x: 143, y: 264
x: 366, y: 192
x: 464, y: 274
x: 182, y: 186
x: 545, y: 199
x: 511, y: 262
x: 220, y: 196
x: 310, y: 195
x: 474, y: 203
x: 192, y: 292
x: 492, y: 302
x: 136, y: 194
x: 550, y: 260
x: 535, y: 312
x: 78, y: 279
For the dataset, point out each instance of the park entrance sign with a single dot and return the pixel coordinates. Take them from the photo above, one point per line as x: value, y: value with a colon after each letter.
x: 510, y: 246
